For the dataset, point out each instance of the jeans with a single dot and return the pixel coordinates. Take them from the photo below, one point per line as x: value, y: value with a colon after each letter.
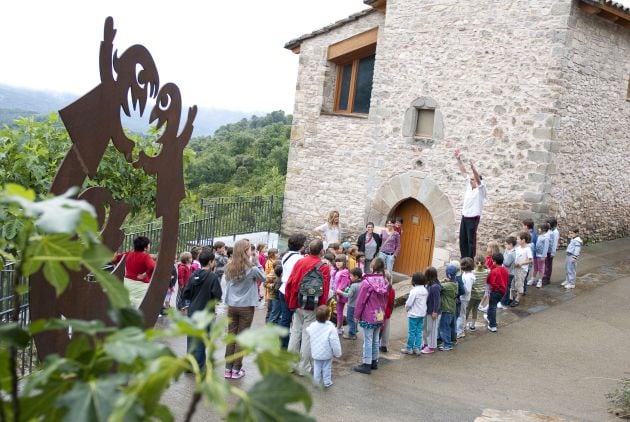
x: 446, y: 322
x: 548, y: 264
x: 414, y: 339
x: 299, y: 340
x: 273, y: 312
x: 352, y: 326
x: 388, y: 260
x: 286, y: 315
x: 505, y: 299
x: 241, y: 318
x: 370, y: 344
x: 195, y: 347
x: 322, y: 372
x: 495, y: 297
x: 571, y: 267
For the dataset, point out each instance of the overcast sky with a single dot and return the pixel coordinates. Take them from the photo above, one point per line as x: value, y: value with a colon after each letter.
x: 223, y: 54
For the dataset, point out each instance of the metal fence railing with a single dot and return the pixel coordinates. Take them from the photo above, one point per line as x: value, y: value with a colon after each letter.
x: 219, y: 217
x: 26, y: 358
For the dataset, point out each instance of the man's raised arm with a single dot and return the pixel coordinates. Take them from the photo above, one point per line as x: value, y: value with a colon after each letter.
x: 458, y: 157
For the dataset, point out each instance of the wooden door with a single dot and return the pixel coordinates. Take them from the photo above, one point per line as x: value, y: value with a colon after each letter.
x: 417, y: 239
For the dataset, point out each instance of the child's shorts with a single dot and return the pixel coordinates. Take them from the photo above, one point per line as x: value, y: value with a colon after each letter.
x: 539, y: 265
x: 519, y: 281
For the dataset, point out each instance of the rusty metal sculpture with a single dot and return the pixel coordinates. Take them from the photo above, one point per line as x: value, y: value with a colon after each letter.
x: 92, y: 121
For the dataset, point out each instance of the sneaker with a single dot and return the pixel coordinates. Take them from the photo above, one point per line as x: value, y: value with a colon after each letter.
x: 349, y: 337
x: 236, y: 374
x: 471, y: 327
x: 564, y: 283
x: 383, y: 349
x: 427, y: 350
x: 227, y: 373
x: 406, y: 351
x: 485, y: 308
x: 445, y: 348
x: 364, y: 368
x: 485, y: 316
x: 530, y: 282
x: 461, y: 335
x: 417, y: 352
x: 569, y: 286
x: 480, y: 308
x: 492, y: 329
x: 500, y: 305
x: 328, y: 385
x: 539, y: 284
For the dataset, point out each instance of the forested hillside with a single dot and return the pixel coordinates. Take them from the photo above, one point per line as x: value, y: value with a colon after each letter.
x: 244, y: 158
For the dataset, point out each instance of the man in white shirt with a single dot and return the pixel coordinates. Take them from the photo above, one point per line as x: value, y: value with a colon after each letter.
x: 296, y: 246
x: 474, y: 199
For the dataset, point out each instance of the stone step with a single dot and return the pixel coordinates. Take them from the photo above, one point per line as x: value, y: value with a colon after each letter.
x: 402, y: 287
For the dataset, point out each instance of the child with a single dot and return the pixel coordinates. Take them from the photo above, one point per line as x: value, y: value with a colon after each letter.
x: 221, y: 258
x: 491, y: 249
x: 478, y: 289
x: 554, y: 237
x: 324, y: 346
x: 361, y: 261
x: 528, y: 226
x: 447, y: 305
x: 329, y: 259
x: 468, y: 278
x: 542, y: 247
x: 353, y: 251
x: 352, y: 292
x: 416, y: 307
x: 573, y: 252
x: 398, y: 225
x: 342, y: 280
x: 184, y: 271
x: 523, y: 257
x: 497, y: 284
x: 389, y: 308
x: 195, y: 251
x: 270, y: 281
x: 508, y: 262
x: 261, y: 252
x: 333, y: 248
x: 202, y: 289
x: 430, y: 329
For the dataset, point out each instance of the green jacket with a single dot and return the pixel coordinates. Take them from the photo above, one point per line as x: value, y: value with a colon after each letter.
x: 448, y: 295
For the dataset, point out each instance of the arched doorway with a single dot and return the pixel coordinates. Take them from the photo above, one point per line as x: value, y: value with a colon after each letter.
x: 418, y: 237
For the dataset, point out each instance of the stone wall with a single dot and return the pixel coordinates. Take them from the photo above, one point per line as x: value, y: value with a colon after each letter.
x: 495, y: 72
x: 591, y: 185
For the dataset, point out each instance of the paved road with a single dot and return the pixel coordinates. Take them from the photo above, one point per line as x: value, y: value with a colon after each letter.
x: 557, y: 355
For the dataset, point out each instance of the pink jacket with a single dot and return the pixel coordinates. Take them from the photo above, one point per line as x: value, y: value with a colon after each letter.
x: 372, y: 300
x: 342, y: 280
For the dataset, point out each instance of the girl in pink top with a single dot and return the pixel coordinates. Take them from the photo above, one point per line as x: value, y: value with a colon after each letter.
x: 342, y: 281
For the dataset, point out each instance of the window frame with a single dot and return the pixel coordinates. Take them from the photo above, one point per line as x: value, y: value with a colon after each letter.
x: 419, y: 111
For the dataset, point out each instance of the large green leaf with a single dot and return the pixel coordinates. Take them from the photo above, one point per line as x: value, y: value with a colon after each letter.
x: 41, y: 406
x: 92, y: 400
x: 11, y: 334
x: 266, y: 338
x: 268, y: 399
x: 130, y: 343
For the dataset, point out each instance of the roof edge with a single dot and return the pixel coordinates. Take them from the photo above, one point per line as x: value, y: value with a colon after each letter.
x: 295, y: 43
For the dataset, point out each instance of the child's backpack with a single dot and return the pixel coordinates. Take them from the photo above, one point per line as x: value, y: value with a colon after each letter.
x: 311, y: 288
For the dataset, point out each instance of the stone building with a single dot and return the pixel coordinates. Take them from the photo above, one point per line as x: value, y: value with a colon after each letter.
x: 536, y: 92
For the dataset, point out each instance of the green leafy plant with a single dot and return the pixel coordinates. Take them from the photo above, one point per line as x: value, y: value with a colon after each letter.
x: 120, y: 372
x: 620, y: 399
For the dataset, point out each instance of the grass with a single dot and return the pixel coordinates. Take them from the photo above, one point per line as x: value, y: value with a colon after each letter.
x: 620, y: 400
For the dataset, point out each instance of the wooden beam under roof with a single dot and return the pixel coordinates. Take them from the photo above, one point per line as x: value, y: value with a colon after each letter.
x: 605, y: 11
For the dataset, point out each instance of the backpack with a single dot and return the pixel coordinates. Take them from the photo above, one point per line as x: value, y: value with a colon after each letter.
x: 311, y: 288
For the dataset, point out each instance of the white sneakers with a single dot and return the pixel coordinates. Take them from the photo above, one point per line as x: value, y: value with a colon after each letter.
x: 539, y: 284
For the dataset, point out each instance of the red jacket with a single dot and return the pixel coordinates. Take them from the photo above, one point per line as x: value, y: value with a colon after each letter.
x: 390, y: 302
x: 184, y: 271
x: 300, y: 269
x: 498, y: 279
x: 137, y: 263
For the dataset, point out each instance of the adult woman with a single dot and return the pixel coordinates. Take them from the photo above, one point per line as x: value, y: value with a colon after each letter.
x: 241, y: 297
x: 370, y: 313
x: 139, y: 266
x: 369, y: 243
x: 390, y: 245
x: 330, y: 230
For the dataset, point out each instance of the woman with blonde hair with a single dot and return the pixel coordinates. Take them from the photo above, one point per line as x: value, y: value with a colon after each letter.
x: 241, y: 297
x: 330, y: 231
